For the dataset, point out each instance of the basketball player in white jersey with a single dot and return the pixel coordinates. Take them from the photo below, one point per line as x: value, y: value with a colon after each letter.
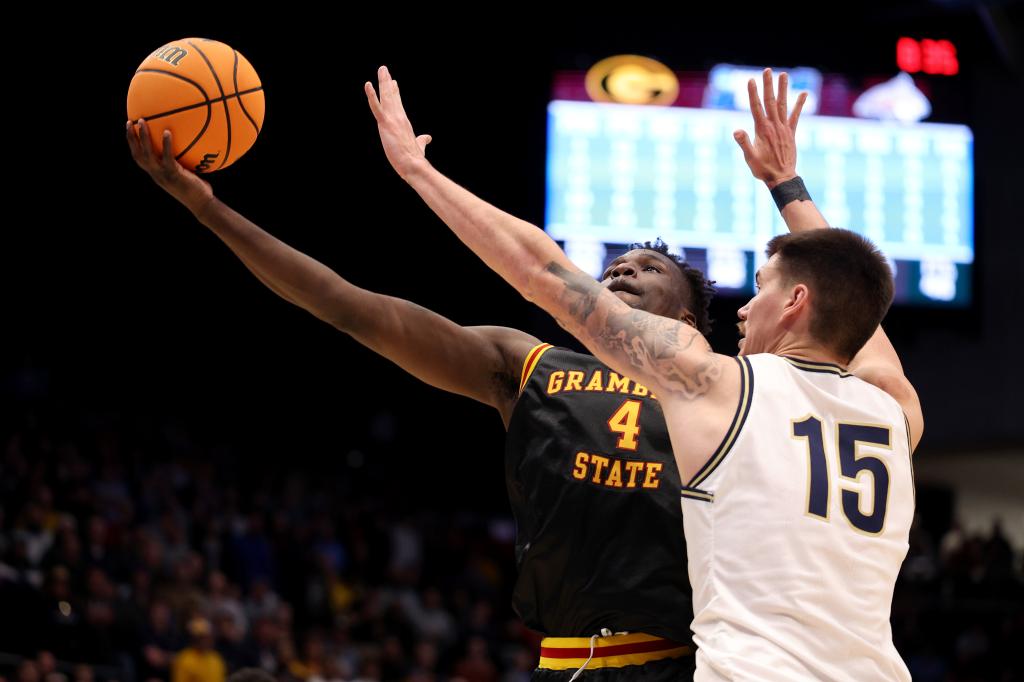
x: 799, y: 493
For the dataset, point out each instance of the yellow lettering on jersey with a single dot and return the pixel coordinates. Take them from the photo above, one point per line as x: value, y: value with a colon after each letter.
x: 578, y: 380
x: 633, y: 468
x: 574, y: 382
x: 626, y: 421
x: 607, y: 471
x: 580, y: 470
x: 615, y: 475
x: 617, y: 383
x: 651, y: 481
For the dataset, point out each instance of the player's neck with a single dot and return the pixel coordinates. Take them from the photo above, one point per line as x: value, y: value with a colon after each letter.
x: 807, y: 349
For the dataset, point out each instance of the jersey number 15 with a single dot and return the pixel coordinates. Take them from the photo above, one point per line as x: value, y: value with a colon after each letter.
x: 850, y: 467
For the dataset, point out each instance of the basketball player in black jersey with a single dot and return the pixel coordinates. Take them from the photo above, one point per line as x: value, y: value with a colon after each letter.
x: 590, y: 473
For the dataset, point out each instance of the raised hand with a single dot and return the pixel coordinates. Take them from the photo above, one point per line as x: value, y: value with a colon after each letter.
x: 401, y: 145
x: 772, y: 155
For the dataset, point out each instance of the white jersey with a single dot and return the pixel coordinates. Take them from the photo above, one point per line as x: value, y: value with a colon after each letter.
x: 796, y: 529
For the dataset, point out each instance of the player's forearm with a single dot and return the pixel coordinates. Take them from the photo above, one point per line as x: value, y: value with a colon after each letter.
x: 801, y: 216
x: 289, y: 273
x: 531, y: 262
x: 665, y: 354
x: 669, y: 356
x: 519, y: 252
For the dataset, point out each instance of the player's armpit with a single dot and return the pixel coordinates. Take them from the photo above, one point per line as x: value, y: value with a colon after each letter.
x: 893, y: 382
x: 515, y: 346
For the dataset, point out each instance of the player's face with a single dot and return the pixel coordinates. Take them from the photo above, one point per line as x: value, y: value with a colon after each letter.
x: 760, y: 322
x: 649, y: 281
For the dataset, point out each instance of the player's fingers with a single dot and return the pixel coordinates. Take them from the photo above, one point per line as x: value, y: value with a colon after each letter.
x: 169, y: 161
x: 145, y: 144
x: 397, y: 96
x: 396, y: 101
x: 769, y: 96
x: 794, y: 118
x: 755, y: 103
x: 371, y: 98
x: 423, y: 141
x: 783, y: 90
x: 383, y: 83
x: 133, y: 141
x: 744, y: 142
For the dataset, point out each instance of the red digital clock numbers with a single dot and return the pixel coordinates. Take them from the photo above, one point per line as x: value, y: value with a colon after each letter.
x: 935, y: 57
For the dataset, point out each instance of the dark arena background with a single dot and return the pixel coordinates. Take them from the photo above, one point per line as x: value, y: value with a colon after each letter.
x: 177, y: 441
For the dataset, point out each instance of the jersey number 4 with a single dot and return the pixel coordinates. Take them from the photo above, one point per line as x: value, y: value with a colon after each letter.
x: 851, y: 467
x: 626, y: 423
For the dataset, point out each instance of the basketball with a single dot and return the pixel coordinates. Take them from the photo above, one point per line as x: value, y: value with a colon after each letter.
x: 207, y: 94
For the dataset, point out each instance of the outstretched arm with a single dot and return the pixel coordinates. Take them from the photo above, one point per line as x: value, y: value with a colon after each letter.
x: 772, y: 159
x: 772, y: 155
x: 669, y: 356
x: 479, y: 362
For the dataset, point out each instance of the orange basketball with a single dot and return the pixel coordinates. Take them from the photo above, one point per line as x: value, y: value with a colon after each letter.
x: 207, y: 94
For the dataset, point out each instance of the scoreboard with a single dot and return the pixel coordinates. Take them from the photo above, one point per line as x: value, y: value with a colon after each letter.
x: 618, y: 174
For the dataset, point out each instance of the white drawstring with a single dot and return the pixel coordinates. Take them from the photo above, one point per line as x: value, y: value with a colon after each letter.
x: 605, y: 632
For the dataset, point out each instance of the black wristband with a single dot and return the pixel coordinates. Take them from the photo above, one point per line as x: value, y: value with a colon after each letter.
x: 790, y: 190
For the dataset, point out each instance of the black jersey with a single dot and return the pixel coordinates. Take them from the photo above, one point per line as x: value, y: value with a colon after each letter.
x: 595, y: 493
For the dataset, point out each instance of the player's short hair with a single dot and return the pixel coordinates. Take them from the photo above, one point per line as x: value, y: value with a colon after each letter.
x: 849, y: 277
x: 700, y: 289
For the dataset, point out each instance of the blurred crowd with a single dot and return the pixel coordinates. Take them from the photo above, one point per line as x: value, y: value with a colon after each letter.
x: 129, y: 552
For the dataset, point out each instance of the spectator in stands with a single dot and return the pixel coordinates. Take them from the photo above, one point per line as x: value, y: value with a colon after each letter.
x: 198, y: 662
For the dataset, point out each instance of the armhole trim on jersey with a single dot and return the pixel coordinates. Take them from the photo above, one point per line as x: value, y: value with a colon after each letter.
x: 530, y: 363
x: 738, y: 419
x: 696, y: 494
x: 910, y: 441
x: 910, y: 453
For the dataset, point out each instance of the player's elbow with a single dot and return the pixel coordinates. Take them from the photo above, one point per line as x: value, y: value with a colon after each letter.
x: 350, y: 310
x: 532, y: 284
x: 896, y: 385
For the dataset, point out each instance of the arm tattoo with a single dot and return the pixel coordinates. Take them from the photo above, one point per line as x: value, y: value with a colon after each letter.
x: 646, y: 341
x: 580, y: 290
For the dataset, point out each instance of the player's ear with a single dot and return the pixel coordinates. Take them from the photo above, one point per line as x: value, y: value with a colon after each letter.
x: 798, y: 301
x: 688, y: 318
